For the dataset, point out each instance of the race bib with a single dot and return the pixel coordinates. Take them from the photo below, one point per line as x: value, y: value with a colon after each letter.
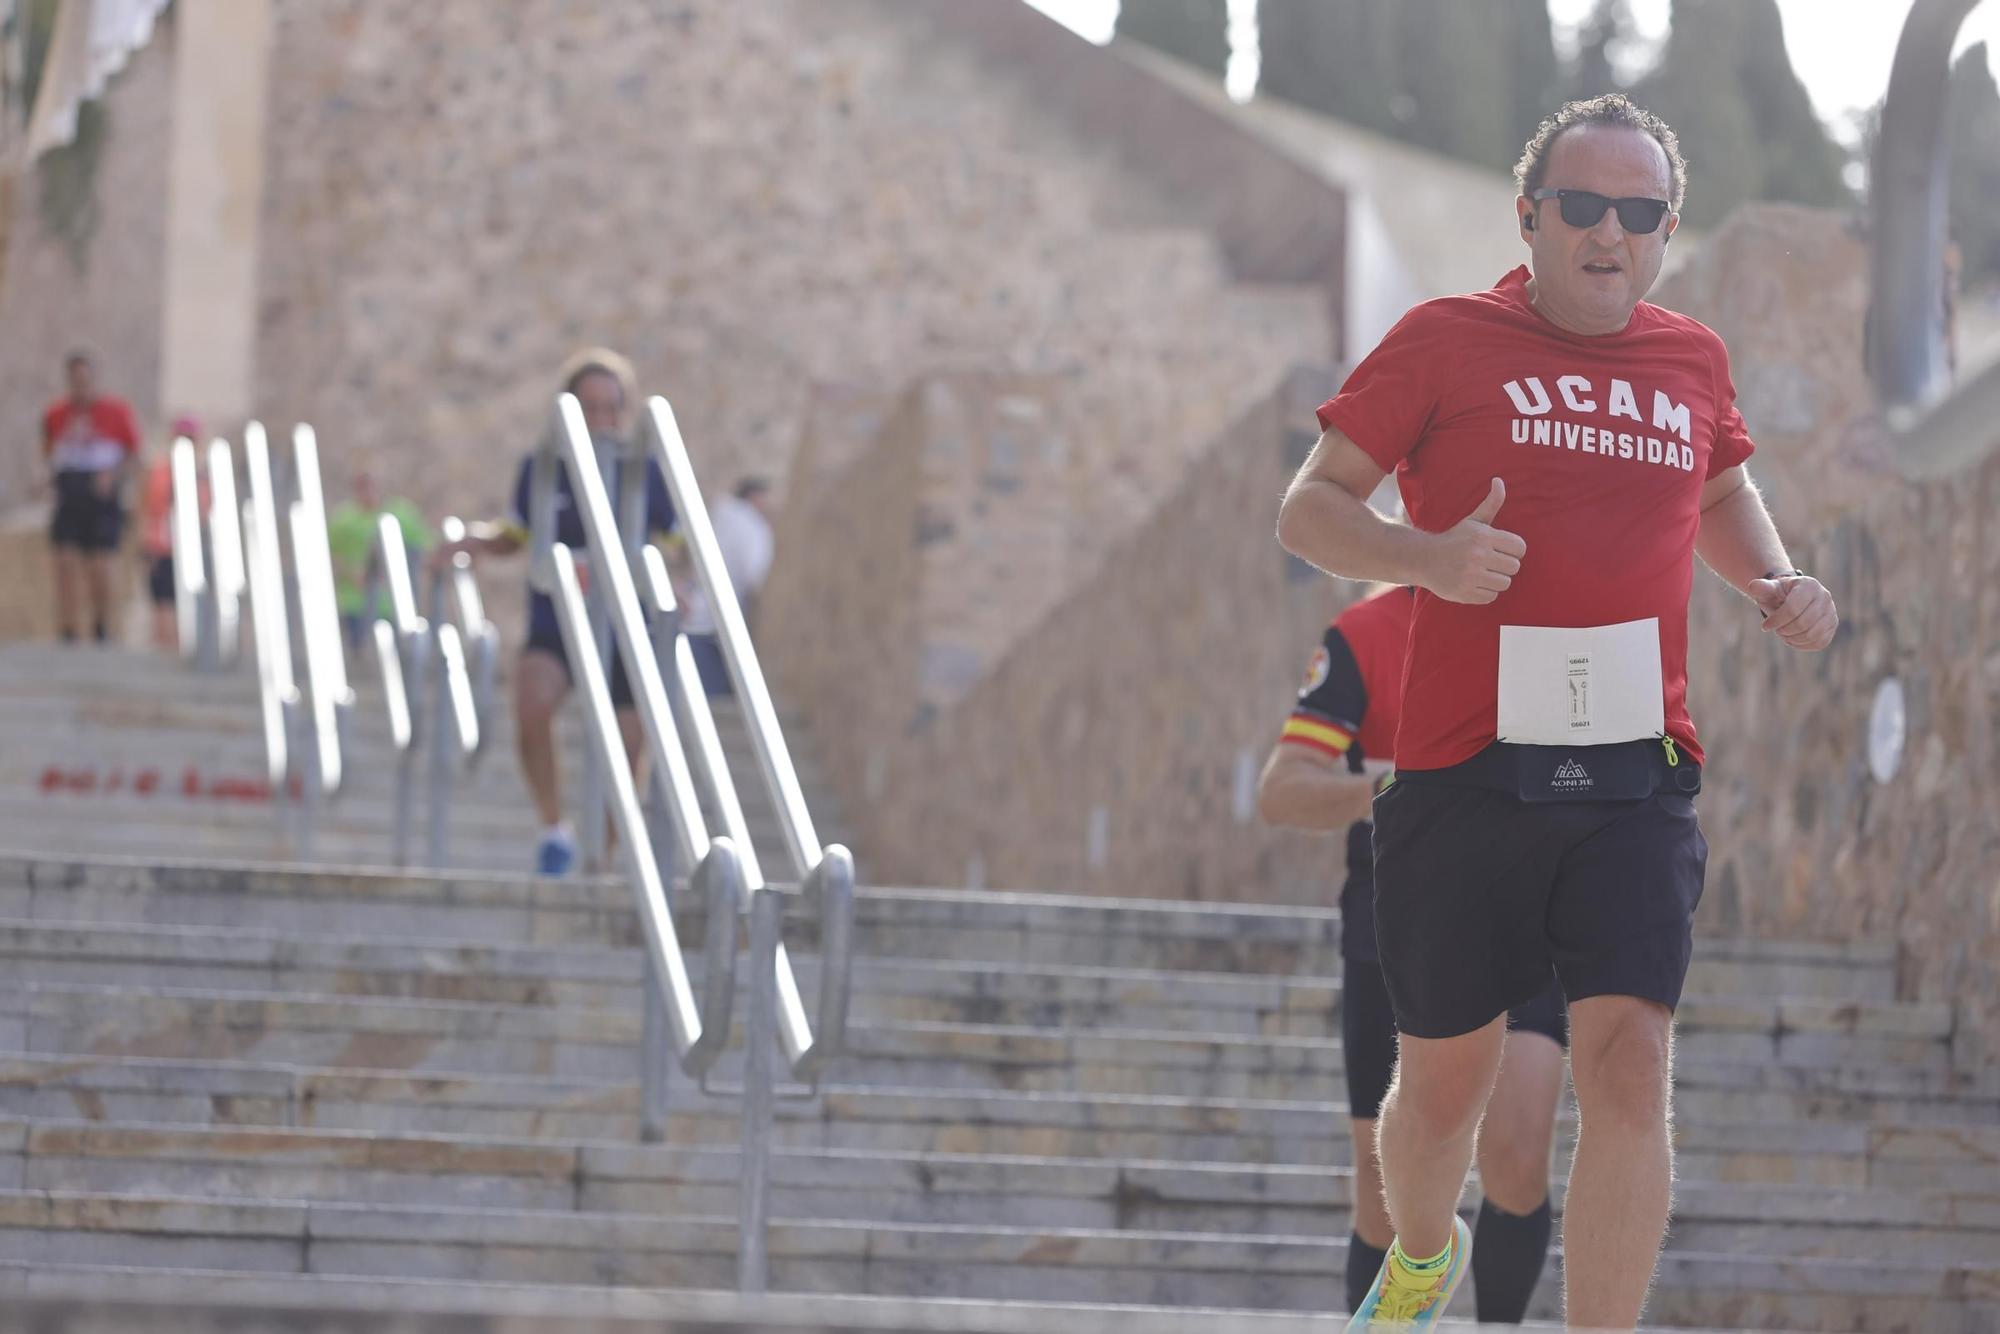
x: 1586, y: 686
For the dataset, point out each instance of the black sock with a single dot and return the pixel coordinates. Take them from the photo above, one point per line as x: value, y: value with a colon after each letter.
x: 1508, y: 1252
x: 1363, y: 1263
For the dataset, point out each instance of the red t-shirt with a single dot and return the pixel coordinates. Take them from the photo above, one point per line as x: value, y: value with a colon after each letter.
x: 1354, y: 683
x: 1604, y: 444
x: 99, y: 438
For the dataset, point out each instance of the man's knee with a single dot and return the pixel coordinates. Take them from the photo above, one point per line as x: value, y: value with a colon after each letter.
x: 1621, y: 1056
x: 540, y: 683
x: 1441, y: 1087
x: 1514, y: 1163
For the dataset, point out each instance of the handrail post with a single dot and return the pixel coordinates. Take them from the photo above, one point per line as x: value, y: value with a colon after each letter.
x: 225, y: 566
x: 759, y: 1092
x: 269, y: 624
x: 207, y: 634
x: 590, y: 792
x: 437, y: 707
x: 656, y: 1039
x: 184, y: 527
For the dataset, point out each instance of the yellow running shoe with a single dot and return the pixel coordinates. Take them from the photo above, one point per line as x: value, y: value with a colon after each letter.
x: 1395, y: 1305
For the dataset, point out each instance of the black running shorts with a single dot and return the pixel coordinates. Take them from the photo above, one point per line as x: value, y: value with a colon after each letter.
x: 1368, y: 1032
x: 160, y: 580
x: 548, y: 638
x: 84, y: 520
x: 1480, y: 896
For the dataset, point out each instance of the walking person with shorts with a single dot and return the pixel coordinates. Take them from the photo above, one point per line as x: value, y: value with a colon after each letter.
x: 1329, y: 762
x: 90, y: 441
x: 1565, y: 450
x: 606, y: 391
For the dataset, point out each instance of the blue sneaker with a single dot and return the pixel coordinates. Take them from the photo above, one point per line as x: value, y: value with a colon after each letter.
x: 556, y: 855
x: 1395, y: 1305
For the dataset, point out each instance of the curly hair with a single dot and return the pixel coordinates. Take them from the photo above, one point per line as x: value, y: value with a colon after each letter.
x: 589, y: 361
x: 1610, y: 109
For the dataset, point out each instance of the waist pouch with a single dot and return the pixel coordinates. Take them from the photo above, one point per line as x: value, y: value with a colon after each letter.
x: 1626, y: 771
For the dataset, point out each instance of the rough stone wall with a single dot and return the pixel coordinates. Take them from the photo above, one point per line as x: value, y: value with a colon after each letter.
x: 1804, y: 840
x: 1142, y: 695
x: 837, y: 632
x: 753, y: 201
x: 111, y: 302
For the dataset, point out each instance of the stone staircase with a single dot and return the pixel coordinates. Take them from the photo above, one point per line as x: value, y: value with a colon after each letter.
x: 85, y: 729
x: 276, y: 1071
x: 347, y: 1088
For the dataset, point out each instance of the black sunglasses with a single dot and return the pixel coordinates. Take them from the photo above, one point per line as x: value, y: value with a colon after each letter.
x: 1583, y: 208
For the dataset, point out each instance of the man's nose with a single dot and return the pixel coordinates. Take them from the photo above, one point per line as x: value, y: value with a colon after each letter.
x: 1608, y: 230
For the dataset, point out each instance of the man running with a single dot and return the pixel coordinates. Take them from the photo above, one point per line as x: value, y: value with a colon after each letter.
x: 1542, y: 820
x: 1321, y: 776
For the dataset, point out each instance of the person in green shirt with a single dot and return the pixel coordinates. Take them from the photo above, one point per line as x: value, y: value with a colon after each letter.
x: 350, y: 540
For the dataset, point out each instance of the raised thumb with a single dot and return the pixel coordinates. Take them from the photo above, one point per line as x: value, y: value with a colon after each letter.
x: 1767, y: 593
x: 1489, y: 508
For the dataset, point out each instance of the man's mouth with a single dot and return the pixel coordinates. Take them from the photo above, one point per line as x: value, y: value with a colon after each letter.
x: 1602, y: 266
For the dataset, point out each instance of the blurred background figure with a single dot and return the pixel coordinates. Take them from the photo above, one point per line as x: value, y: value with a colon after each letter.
x: 156, y: 533
x: 350, y: 540
x: 605, y: 387
x: 90, y: 441
x: 743, y: 530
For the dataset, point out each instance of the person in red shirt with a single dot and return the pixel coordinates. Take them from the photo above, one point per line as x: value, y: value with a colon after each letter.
x: 1330, y: 759
x: 89, y: 441
x: 156, y: 537
x: 1565, y: 450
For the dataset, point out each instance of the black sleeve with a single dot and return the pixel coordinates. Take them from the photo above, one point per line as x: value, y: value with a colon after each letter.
x: 1328, y: 714
x: 1334, y: 692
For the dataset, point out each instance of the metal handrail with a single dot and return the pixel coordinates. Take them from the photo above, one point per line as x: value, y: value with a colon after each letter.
x: 826, y: 874
x: 663, y: 699
x: 700, y: 1032
x: 184, y: 531
x: 481, y: 639
x: 400, y: 640
x: 773, y: 757
x: 642, y: 669
x: 829, y: 885
x: 327, y: 694
x: 225, y: 549
x: 613, y: 577
x: 269, y: 629
x: 447, y: 698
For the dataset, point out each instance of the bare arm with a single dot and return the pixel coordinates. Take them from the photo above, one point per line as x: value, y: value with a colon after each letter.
x: 1740, y: 543
x: 1737, y: 538
x: 1304, y: 789
x: 481, y: 539
x: 1325, y: 519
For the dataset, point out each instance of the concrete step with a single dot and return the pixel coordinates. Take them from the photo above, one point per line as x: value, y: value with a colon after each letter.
x: 908, y: 989
x: 54, y: 1298
x: 913, y: 1120
x: 993, y: 926
x: 466, y: 1171
x: 970, y: 1263
x: 335, y: 1031
x: 486, y: 909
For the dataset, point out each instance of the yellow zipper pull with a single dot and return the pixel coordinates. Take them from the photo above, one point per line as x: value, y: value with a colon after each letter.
x: 1673, y: 755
